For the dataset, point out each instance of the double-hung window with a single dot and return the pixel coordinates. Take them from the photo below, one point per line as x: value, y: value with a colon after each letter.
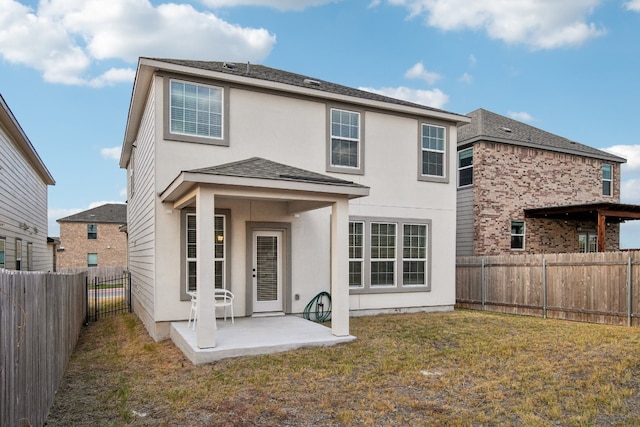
x: 195, y: 112
x: 30, y: 256
x: 388, y: 255
x: 18, y: 254
x: 517, y: 235
x: 383, y: 254
x: 219, y: 252
x: 607, y: 180
x: 465, y: 167
x: 433, y: 151
x: 345, y: 142
x: 356, y: 254
x: 92, y: 231
x: 3, y: 245
x: 92, y: 260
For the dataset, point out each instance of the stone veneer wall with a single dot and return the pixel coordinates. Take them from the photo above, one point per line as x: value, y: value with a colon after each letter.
x: 111, y: 245
x: 509, y: 179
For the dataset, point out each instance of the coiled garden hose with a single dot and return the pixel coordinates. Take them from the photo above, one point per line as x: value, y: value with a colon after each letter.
x: 322, y: 309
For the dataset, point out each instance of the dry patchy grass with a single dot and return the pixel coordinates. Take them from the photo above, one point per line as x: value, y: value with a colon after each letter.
x: 461, y: 368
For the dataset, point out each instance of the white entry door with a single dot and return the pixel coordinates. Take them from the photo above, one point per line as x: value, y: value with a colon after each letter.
x: 267, y: 271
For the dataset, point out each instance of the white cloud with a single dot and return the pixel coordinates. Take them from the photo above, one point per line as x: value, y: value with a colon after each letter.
x: 466, y: 78
x: 521, y: 115
x: 275, y: 4
x: 112, y: 153
x: 66, y: 39
x: 419, y: 72
x: 629, y: 152
x: 633, y: 5
x: 432, y: 98
x: 472, y: 60
x: 630, y: 191
x: 539, y: 24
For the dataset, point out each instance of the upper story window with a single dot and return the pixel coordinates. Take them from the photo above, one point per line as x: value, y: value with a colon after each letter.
x: 465, y: 167
x: 433, y: 165
x: 517, y: 235
x: 195, y: 112
x: 92, y: 231
x: 607, y: 180
x: 345, y: 142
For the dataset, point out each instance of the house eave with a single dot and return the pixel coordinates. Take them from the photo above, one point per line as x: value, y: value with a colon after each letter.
x: 185, y: 181
x: 517, y: 143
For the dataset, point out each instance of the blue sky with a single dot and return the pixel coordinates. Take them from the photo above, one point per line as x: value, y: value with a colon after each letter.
x: 568, y: 67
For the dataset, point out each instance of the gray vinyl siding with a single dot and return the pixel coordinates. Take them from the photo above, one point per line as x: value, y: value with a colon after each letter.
x: 140, y: 209
x: 23, y: 200
x: 464, y: 222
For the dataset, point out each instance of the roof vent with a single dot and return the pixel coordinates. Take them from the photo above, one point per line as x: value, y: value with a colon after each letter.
x: 229, y: 65
x: 311, y: 82
x: 505, y: 129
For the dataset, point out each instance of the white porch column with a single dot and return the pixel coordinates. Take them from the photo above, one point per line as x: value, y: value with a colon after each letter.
x: 340, y: 268
x: 205, y: 214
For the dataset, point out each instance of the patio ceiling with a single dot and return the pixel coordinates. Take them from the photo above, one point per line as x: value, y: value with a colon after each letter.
x: 614, y: 212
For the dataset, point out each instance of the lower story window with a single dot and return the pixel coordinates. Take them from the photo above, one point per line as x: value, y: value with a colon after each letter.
x: 395, y: 256
x: 588, y: 242
x: 517, y: 235
x: 219, y: 252
x: 3, y: 244
x: 92, y: 260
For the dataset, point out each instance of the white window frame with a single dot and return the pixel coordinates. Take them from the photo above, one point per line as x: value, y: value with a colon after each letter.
x: 379, y: 260
x: 462, y: 168
x: 607, y: 180
x: 193, y: 260
x: 89, y: 258
x: 211, y: 99
x: 523, y: 235
x: 398, y: 285
x: 422, y: 260
x: 18, y: 254
x: 590, y: 237
x: 428, y: 149
x: 332, y: 136
x: 354, y: 260
x: 91, y: 230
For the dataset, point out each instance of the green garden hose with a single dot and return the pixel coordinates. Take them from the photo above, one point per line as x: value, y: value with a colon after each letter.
x: 323, y: 309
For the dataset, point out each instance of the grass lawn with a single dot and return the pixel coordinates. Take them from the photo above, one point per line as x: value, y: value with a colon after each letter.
x: 459, y: 368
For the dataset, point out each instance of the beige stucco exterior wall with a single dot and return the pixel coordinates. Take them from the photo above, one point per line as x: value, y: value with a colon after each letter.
x: 110, y: 245
x: 509, y: 179
x: 293, y: 131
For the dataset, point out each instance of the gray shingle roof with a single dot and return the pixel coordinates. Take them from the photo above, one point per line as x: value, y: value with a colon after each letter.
x: 111, y: 213
x: 488, y: 126
x: 279, y: 76
x: 260, y: 168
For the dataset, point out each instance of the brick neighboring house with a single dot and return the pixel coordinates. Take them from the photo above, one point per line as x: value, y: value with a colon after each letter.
x: 93, y: 238
x: 524, y: 190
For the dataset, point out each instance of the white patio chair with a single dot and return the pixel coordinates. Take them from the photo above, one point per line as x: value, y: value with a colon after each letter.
x: 224, y: 298
x: 194, y: 309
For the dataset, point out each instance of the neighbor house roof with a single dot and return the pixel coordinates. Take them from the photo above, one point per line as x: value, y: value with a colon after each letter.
x: 488, y: 126
x: 261, y: 78
x: 111, y: 213
x: 10, y: 123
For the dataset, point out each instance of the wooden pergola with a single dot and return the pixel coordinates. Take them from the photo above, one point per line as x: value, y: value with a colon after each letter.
x: 601, y: 213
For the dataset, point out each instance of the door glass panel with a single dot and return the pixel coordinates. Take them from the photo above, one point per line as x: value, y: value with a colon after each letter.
x: 267, y: 268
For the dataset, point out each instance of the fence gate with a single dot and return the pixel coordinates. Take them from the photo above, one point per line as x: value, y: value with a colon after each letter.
x: 107, y: 296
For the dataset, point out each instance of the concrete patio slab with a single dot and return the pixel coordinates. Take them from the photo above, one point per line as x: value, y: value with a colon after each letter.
x: 253, y: 336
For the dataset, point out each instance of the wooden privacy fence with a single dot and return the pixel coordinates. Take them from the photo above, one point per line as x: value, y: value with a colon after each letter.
x: 94, y: 273
x: 593, y: 287
x: 41, y: 315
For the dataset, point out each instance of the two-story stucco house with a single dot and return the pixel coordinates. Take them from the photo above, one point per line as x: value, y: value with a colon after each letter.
x: 93, y: 238
x: 524, y: 190
x: 277, y: 187
x: 23, y: 199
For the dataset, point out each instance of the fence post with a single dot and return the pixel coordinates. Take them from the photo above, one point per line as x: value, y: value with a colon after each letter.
x: 95, y: 298
x: 86, y: 298
x: 544, y: 288
x: 482, y: 284
x: 629, y: 297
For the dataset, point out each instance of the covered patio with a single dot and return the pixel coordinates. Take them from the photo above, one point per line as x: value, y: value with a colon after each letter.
x: 251, y: 336
x: 599, y: 213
